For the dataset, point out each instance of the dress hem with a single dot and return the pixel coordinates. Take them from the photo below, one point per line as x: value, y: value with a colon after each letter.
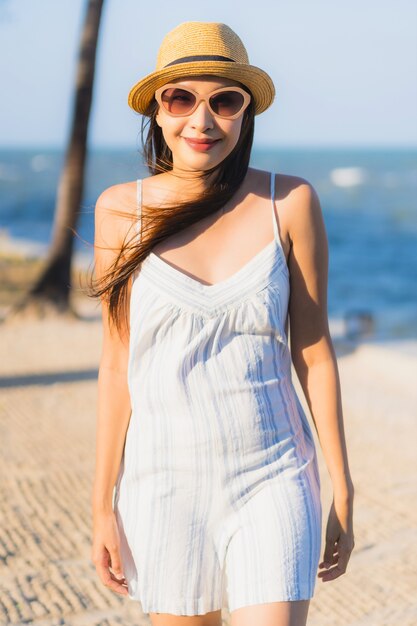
x: 197, y: 607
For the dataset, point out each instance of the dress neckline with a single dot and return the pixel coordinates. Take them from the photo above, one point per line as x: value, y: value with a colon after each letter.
x: 249, y: 265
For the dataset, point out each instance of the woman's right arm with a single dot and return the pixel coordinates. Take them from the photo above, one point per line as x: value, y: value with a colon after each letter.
x: 113, y: 406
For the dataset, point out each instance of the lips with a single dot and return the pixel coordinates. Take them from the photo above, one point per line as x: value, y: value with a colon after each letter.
x: 201, y: 145
x: 205, y: 140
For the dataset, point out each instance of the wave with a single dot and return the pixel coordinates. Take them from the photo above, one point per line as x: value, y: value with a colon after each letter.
x: 348, y: 176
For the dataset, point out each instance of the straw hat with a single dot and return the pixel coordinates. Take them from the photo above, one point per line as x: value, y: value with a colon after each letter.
x: 194, y: 48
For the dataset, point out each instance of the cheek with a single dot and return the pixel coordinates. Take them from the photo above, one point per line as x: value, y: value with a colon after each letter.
x: 167, y: 122
x: 171, y: 129
x: 233, y: 132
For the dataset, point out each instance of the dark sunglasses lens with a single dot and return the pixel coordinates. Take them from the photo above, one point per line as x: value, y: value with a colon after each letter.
x: 177, y: 101
x: 227, y: 103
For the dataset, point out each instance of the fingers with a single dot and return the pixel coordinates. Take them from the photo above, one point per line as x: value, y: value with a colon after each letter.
x: 114, y: 579
x: 328, y: 557
x: 108, y: 580
x: 116, y: 563
x: 337, y: 555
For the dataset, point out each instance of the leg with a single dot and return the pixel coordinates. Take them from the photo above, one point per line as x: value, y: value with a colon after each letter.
x: 214, y: 618
x: 272, y: 614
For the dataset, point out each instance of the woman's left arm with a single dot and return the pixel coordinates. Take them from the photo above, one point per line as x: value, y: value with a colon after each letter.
x: 314, y: 359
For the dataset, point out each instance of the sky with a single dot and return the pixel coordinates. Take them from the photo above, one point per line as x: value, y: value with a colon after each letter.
x: 345, y: 73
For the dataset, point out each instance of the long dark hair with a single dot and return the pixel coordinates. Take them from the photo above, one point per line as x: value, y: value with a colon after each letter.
x: 168, y: 220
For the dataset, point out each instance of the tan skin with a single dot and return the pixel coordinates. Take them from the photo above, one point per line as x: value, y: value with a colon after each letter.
x: 211, y: 251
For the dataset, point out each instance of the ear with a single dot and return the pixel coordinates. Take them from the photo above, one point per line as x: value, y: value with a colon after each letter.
x: 157, y: 119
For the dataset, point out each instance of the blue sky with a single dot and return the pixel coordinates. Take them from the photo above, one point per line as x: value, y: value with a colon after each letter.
x: 345, y: 73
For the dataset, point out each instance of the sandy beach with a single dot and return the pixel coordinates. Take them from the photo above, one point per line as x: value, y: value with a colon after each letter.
x: 48, y: 411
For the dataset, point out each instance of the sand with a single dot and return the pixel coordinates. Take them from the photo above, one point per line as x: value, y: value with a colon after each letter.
x: 48, y: 402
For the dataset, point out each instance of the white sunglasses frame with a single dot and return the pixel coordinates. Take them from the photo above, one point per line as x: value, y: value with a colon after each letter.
x: 199, y: 97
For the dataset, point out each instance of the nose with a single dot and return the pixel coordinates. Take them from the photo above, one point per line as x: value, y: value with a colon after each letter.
x: 201, y: 118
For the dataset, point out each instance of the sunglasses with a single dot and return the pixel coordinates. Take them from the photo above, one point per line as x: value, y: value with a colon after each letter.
x: 226, y: 102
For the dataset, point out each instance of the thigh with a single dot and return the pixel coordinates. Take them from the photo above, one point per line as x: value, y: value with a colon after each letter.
x: 214, y: 618
x: 272, y: 614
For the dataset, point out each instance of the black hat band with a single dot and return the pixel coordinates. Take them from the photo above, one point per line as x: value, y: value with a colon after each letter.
x: 200, y: 57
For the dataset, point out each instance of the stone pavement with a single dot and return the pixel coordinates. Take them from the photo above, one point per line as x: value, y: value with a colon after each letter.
x: 47, y: 430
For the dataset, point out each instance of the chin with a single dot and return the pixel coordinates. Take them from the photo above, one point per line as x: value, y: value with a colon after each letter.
x: 204, y: 162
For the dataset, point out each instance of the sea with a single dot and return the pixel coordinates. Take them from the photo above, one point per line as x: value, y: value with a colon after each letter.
x: 368, y: 198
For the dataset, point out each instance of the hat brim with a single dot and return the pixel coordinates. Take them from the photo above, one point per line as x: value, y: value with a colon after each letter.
x: 258, y: 81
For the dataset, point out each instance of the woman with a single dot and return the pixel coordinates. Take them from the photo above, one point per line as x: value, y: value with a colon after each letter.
x: 199, y: 427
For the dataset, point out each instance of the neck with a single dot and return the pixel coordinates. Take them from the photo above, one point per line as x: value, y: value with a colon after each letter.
x: 191, y: 180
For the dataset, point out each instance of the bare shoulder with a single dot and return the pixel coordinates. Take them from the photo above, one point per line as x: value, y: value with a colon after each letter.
x: 116, y: 210
x: 290, y: 191
x: 299, y: 205
x: 121, y: 197
x: 114, y: 217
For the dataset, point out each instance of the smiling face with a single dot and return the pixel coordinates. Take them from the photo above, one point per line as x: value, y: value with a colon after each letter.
x: 179, y: 132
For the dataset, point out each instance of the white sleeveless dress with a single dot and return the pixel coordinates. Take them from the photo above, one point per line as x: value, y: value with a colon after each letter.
x: 218, y: 495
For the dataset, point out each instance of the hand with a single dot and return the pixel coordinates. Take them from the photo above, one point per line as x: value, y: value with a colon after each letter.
x: 339, y: 540
x: 106, y: 553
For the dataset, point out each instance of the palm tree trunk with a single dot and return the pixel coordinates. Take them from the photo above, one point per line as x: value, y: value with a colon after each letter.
x: 54, y: 285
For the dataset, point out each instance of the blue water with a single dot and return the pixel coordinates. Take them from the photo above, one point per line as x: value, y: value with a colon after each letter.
x: 368, y: 198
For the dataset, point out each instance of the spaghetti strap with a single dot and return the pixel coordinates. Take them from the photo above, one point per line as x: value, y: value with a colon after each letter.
x: 274, y: 213
x: 139, y: 206
x: 274, y: 219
